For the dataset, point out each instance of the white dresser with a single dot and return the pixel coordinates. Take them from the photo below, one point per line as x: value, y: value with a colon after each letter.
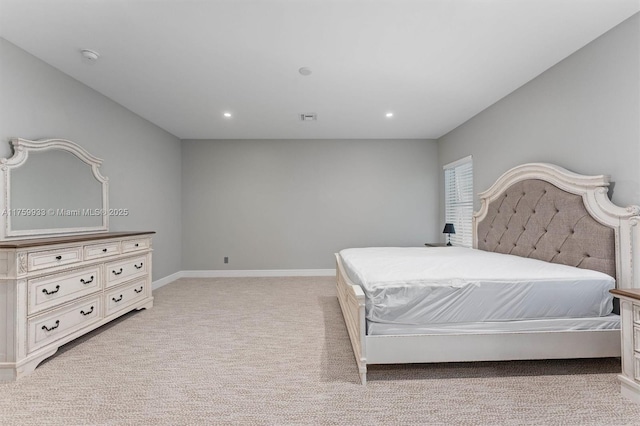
x: 53, y: 290
x: 630, y: 315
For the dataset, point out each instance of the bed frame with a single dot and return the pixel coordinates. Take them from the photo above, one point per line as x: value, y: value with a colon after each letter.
x: 425, y: 348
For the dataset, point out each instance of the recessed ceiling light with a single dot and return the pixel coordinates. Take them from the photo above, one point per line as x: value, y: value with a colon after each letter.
x: 91, y: 55
x: 389, y: 114
x: 305, y: 71
x: 227, y: 114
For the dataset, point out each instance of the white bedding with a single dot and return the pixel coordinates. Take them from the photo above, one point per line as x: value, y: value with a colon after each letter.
x: 436, y: 285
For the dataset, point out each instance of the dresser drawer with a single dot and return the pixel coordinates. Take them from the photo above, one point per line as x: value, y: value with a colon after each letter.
x: 123, y: 270
x: 57, y: 289
x: 122, y: 297
x: 636, y: 370
x: 97, y: 251
x: 636, y: 338
x: 54, y: 325
x: 129, y: 246
x: 636, y: 314
x: 38, y: 260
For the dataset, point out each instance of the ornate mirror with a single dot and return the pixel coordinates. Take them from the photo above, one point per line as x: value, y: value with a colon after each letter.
x: 52, y: 187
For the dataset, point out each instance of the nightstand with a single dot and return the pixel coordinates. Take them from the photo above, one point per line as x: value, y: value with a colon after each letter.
x: 630, y: 329
x: 436, y: 245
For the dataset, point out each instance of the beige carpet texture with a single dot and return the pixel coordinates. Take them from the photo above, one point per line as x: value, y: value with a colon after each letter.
x: 275, y: 351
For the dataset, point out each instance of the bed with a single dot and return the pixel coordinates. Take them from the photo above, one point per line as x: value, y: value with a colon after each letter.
x: 548, y: 246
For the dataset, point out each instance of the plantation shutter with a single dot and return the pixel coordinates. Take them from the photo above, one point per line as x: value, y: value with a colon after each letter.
x: 458, y: 200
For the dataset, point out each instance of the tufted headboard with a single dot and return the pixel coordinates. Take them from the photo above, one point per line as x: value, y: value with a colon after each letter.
x: 536, y: 219
x: 548, y: 213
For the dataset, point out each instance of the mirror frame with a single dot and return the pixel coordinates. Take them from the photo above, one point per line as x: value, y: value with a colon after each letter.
x: 21, y: 149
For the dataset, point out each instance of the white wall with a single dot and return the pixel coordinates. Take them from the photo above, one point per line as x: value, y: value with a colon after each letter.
x: 141, y: 160
x: 582, y: 114
x: 290, y: 204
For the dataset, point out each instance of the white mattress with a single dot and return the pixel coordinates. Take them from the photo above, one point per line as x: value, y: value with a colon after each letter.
x: 609, y: 322
x: 436, y: 285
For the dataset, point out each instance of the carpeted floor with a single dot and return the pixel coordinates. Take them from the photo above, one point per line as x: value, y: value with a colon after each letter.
x: 274, y: 351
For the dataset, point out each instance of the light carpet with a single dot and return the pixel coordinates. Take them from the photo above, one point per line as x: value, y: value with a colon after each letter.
x: 275, y: 351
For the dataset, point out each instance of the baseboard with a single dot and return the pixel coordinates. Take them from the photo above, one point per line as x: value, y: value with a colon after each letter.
x: 231, y: 273
x: 226, y: 273
x: 166, y: 280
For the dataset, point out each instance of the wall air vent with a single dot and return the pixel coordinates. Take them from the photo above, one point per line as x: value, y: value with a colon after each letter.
x: 309, y: 116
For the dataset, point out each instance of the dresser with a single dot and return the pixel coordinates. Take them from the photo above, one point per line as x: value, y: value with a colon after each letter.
x: 630, y: 315
x: 53, y: 290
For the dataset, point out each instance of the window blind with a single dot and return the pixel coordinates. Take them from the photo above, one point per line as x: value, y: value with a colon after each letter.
x: 458, y: 199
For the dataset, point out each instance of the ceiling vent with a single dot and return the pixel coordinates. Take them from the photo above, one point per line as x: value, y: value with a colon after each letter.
x: 310, y: 116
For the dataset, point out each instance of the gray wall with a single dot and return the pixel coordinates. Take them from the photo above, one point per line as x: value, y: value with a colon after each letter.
x: 290, y: 204
x: 582, y: 114
x: 141, y: 160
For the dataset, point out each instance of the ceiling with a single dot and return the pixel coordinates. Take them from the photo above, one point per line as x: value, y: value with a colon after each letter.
x: 182, y: 63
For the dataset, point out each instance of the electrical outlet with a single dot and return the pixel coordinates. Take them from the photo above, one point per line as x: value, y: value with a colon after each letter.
x: 226, y: 259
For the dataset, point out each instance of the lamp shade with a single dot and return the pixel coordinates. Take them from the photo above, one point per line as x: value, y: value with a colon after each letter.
x: 449, y: 229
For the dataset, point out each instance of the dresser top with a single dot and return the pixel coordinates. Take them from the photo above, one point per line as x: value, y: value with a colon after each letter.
x: 33, y: 242
x: 633, y: 293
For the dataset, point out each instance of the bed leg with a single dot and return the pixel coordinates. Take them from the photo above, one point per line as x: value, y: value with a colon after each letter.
x: 363, y: 376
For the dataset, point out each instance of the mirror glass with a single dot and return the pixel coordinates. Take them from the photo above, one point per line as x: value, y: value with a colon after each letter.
x: 54, y: 189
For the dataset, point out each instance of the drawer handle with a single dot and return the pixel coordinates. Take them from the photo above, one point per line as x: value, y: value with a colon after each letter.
x: 138, y: 291
x: 44, y: 327
x: 86, y: 282
x: 117, y: 300
x: 58, y: 257
x: 45, y: 291
x: 117, y: 273
x: 137, y: 245
x: 87, y: 313
x: 138, y: 267
x: 104, y: 250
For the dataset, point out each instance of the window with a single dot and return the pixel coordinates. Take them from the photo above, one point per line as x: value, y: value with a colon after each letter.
x: 458, y: 200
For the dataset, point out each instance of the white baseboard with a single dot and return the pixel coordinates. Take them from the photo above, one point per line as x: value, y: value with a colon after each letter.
x: 226, y: 273
x: 166, y: 280
x: 230, y: 273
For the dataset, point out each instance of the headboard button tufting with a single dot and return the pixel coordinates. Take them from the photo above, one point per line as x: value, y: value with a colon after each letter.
x: 548, y: 221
